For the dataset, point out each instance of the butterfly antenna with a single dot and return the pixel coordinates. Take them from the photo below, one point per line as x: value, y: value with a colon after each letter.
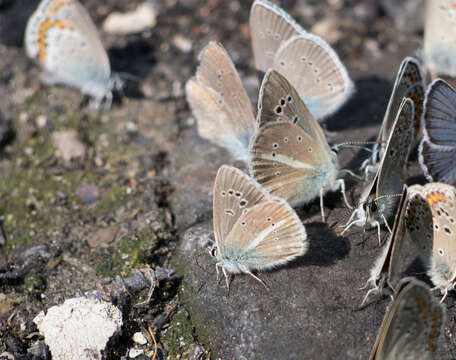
x: 354, y: 145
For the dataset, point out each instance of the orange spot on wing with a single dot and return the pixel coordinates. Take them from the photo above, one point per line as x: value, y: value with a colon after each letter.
x: 45, y: 26
x: 57, y: 5
x: 435, y: 197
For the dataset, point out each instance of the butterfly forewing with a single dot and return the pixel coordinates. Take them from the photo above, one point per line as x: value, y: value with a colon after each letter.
x: 266, y: 235
x: 393, y: 168
x: 62, y: 37
x: 214, y: 121
x: 409, y: 83
x: 316, y: 73
x: 279, y: 101
x: 234, y: 192
x: 218, y: 87
x: 270, y: 26
x: 419, y: 222
x: 412, y: 326
x: 289, y: 163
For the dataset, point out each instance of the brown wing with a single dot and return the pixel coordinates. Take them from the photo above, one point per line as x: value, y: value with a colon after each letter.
x: 266, y: 235
x: 234, y: 192
x: 289, y: 163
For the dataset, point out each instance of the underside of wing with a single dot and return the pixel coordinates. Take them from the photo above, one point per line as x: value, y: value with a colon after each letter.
x: 279, y: 101
x: 213, y: 119
x: 316, y: 72
x: 289, y: 163
x: 270, y: 26
x: 234, y: 192
x: 218, y: 83
x: 267, y: 235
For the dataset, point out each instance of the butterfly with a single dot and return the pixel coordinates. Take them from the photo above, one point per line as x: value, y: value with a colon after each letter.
x: 61, y: 36
x: 437, y: 151
x: 379, y: 200
x: 307, y: 61
x: 220, y: 103
x: 413, y: 325
x: 408, y: 84
x: 431, y: 223
x: 385, y: 273
x: 439, y: 40
x: 289, y: 154
x: 253, y: 230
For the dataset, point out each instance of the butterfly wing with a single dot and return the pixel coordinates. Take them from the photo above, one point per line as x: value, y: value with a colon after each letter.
x: 419, y: 222
x: 437, y: 153
x: 442, y: 202
x: 385, y: 271
x: 234, y: 192
x: 412, y: 326
x: 289, y: 163
x: 279, y: 101
x: 62, y: 37
x: 316, y: 72
x: 439, y: 42
x: 393, y: 168
x: 266, y: 235
x: 218, y: 87
x: 409, y: 83
x: 270, y: 26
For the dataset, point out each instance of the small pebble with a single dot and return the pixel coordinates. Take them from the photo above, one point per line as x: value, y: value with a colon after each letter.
x: 139, y: 338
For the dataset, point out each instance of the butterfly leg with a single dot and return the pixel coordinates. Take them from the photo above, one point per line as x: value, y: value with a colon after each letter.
x: 341, y: 183
x: 377, y: 224
x: 257, y: 278
x: 322, y: 209
x: 227, y: 278
x: 386, y: 223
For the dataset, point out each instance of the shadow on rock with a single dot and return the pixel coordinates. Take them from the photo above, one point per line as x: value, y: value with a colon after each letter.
x: 365, y: 108
x: 325, y: 247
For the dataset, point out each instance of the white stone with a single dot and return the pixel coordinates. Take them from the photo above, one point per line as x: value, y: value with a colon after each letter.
x: 139, y: 338
x: 133, y: 353
x: 142, y: 18
x: 79, y: 328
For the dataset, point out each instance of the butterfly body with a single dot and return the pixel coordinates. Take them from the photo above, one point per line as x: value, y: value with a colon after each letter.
x: 379, y: 200
x: 61, y: 36
x: 384, y: 274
